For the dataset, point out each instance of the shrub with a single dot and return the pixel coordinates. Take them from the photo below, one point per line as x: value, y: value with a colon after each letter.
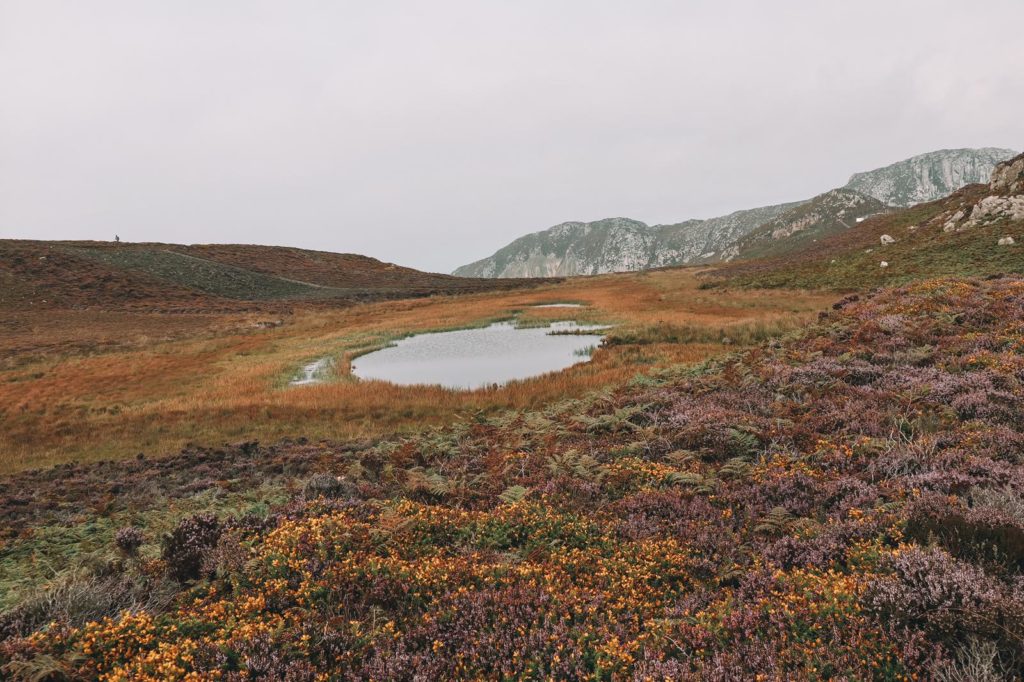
x: 129, y: 539
x: 327, y: 486
x: 981, y: 533
x: 186, y: 547
x: 976, y: 661
x: 948, y: 598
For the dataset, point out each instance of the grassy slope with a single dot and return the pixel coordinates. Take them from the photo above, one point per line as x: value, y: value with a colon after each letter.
x: 334, y: 270
x: 46, y: 276
x: 210, y: 277
x: 228, y: 277
x: 822, y: 221
x: 926, y: 251
x: 838, y: 506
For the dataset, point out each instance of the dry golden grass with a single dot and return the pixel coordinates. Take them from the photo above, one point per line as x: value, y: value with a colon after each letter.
x: 161, y: 384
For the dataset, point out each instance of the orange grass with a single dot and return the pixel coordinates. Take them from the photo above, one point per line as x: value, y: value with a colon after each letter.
x: 223, y: 380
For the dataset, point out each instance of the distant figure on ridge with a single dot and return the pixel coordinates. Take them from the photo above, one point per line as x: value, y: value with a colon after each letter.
x: 117, y: 239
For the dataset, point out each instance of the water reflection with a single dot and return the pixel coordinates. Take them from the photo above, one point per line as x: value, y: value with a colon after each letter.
x: 475, y: 358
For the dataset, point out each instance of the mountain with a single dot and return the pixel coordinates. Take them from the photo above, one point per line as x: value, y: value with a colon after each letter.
x: 822, y: 216
x: 696, y: 241
x: 978, y: 230
x: 622, y: 244
x: 572, y: 248
x: 930, y: 176
x: 108, y: 275
x: 616, y: 245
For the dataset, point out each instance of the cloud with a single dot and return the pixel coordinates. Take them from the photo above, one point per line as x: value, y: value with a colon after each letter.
x: 432, y: 133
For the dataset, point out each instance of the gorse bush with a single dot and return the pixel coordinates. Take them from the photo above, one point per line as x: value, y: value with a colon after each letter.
x: 842, y: 505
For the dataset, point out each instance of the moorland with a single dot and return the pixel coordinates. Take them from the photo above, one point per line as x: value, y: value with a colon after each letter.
x: 807, y: 466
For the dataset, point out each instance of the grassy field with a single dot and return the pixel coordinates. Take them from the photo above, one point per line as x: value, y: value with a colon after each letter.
x: 88, y: 386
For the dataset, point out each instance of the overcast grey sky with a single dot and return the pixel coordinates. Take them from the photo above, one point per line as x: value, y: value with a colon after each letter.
x: 432, y: 133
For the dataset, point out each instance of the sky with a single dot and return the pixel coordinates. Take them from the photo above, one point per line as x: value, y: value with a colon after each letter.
x: 432, y: 133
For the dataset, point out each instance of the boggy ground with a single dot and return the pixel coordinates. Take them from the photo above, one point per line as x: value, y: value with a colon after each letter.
x: 97, y: 384
x: 846, y: 504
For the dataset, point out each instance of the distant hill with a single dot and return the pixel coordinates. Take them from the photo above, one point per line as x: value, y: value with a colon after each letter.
x: 35, y: 274
x: 623, y: 244
x: 978, y: 230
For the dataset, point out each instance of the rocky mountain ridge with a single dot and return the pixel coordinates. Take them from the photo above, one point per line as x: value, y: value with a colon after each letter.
x: 624, y: 244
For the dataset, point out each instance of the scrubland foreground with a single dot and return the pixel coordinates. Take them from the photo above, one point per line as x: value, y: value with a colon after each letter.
x: 842, y: 505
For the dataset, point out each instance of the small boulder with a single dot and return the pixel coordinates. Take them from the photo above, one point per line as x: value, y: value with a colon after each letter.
x: 884, y: 264
x: 1006, y: 241
x: 886, y: 240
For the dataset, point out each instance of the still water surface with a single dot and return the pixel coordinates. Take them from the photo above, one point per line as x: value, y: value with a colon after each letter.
x: 474, y: 358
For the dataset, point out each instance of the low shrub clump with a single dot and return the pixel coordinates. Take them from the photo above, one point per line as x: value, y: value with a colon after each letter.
x: 842, y: 505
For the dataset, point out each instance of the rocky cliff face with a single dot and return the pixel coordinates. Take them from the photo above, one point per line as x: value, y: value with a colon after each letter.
x: 618, y: 245
x: 928, y: 177
x: 573, y: 248
x: 622, y: 244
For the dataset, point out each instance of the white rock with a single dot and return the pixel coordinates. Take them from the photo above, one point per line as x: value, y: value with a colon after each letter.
x: 887, y: 239
x: 1006, y: 241
x: 884, y: 264
x: 993, y: 208
x: 1008, y: 176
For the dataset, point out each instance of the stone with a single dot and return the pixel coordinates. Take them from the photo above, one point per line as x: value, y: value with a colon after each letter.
x: 1008, y: 176
x: 1006, y: 241
x: 884, y: 264
x: 887, y: 239
x: 995, y: 208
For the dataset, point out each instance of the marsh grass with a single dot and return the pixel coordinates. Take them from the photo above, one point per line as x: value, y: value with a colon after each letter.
x: 227, y: 382
x: 741, y: 333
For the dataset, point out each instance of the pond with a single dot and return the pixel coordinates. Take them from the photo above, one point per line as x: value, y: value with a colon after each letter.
x: 475, y: 358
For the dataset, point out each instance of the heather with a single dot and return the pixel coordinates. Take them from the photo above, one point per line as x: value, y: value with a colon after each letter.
x: 845, y: 504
